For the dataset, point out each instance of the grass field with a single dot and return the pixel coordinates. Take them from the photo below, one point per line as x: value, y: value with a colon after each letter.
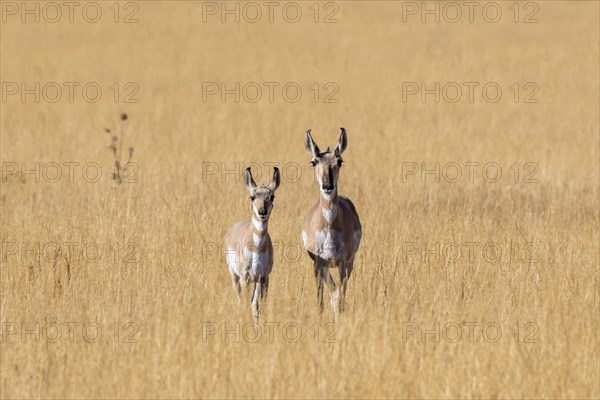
x: 472, y: 286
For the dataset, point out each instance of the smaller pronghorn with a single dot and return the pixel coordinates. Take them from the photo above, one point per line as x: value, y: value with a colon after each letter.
x: 331, y: 232
x: 249, y: 250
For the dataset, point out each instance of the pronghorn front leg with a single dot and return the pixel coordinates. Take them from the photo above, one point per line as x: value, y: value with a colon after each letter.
x: 265, y: 288
x: 256, y: 296
x: 345, y: 272
x: 333, y: 289
x: 261, y: 287
x: 337, y: 292
x: 320, y: 278
x: 319, y: 281
x: 235, y: 282
x: 247, y: 281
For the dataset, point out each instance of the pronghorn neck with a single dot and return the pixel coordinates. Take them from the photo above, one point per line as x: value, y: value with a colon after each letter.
x: 259, y: 232
x: 259, y: 227
x: 329, y: 206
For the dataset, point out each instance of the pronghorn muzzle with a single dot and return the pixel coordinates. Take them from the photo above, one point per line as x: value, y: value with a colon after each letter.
x: 327, y: 184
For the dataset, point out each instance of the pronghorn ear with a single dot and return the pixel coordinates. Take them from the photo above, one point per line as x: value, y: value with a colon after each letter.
x: 250, y: 184
x: 342, y: 143
x: 276, y: 180
x: 311, y: 146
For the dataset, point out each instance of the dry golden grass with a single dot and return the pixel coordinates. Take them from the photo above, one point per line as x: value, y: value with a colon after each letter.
x: 177, y: 289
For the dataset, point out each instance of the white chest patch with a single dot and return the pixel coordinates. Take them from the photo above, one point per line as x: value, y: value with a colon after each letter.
x: 329, y: 244
x: 255, y: 263
x: 304, y: 239
x: 260, y: 263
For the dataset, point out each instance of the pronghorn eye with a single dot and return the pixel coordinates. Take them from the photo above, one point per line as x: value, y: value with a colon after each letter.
x: 313, y: 163
x: 252, y: 197
x: 272, y: 197
x: 340, y: 161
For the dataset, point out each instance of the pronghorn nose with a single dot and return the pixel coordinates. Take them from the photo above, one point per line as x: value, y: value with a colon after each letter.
x: 327, y: 186
x: 262, y: 212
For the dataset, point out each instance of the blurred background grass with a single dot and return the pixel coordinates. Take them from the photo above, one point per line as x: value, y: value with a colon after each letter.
x: 176, y: 212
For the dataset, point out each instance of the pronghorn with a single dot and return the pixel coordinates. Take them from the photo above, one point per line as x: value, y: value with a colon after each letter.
x: 332, y: 230
x: 248, y: 244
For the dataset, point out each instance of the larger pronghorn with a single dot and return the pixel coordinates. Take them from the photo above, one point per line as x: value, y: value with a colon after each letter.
x: 249, y: 248
x: 332, y: 230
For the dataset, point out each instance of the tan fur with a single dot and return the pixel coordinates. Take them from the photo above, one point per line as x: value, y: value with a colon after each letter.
x: 241, y: 238
x: 332, y: 231
x: 346, y: 221
x: 249, y: 250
